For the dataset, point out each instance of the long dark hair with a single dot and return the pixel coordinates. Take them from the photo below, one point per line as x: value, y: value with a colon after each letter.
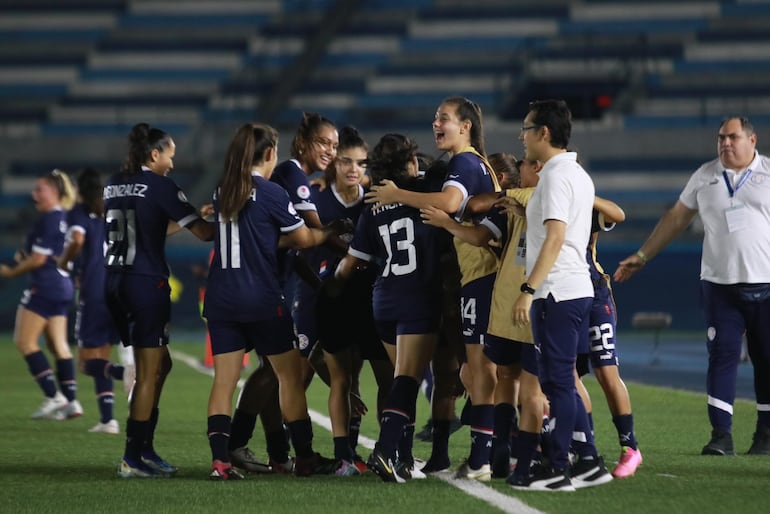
x: 468, y: 110
x: 246, y: 150
x: 91, y: 190
x: 349, y: 138
x: 307, y: 132
x: 390, y: 158
x: 142, y: 140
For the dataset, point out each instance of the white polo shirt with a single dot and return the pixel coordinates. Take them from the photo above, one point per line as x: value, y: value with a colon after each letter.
x: 565, y: 192
x: 736, y: 242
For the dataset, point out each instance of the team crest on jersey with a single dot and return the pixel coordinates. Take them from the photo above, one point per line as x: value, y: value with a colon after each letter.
x: 181, y: 196
x: 303, y: 341
x: 303, y: 192
x: 758, y: 179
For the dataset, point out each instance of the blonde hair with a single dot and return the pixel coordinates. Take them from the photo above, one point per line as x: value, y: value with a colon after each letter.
x: 61, y: 181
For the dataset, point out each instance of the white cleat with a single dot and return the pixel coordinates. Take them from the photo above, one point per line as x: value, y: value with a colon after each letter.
x: 111, y: 427
x: 51, y: 408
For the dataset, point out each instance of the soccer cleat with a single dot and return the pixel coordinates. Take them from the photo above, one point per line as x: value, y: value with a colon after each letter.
x: 156, y: 462
x: 316, y: 464
x: 282, y: 468
x: 760, y: 444
x: 721, y: 444
x: 542, y: 479
x: 588, y: 473
x: 51, y: 408
x: 383, y: 466
x: 482, y: 474
x: 224, y: 471
x: 408, y: 471
x: 346, y: 469
x: 630, y: 459
x: 111, y: 427
x: 129, y: 376
x: 360, y: 464
x: 130, y: 469
x: 436, y: 465
x: 426, y: 434
x: 72, y: 410
x: 243, y: 458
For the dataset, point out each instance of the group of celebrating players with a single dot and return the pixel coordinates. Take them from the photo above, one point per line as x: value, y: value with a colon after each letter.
x: 391, y: 258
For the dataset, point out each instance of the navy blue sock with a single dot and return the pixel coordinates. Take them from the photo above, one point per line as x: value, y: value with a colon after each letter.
x: 105, y: 398
x: 625, y: 426
x: 342, y: 449
x: 526, y: 446
x: 96, y: 367
x: 152, y: 423
x: 482, y: 420
x: 399, y: 409
x: 465, y: 414
x: 219, y: 436
x: 277, y: 445
x: 504, y: 415
x: 242, y: 428
x: 136, y: 433
x: 41, y: 370
x: 116, y: 371
x: 301, y: 432
x: 65, y: 374
x: 440, y: 450
x: 354, y: 429
x: 406, y: 443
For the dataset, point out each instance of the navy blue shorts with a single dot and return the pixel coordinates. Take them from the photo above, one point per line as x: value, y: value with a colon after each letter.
x: 44, y: 307
x: 267, y: 337
x: 93, y: 325
x: 599, y: 340
x: 140, y: 306
x: 475, y: 302
x: 389, y: 330
x: 529, y: 359
x: 501, y: 351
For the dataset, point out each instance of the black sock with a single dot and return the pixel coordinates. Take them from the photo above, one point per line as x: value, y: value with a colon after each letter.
x: 241, y: 429
x: 219, y: 434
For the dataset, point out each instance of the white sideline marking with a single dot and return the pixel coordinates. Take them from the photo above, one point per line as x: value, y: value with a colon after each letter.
x: 503, y: 502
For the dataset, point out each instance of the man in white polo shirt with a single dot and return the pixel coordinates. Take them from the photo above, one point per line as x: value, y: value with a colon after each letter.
x: 732, y: 196
x: 557, y: 297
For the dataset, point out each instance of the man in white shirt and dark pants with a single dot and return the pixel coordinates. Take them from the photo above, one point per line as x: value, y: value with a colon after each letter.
x: 557, y: 297
x: 732, y: 196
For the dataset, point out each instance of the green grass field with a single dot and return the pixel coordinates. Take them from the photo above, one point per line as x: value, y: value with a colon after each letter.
x: 57, y: 466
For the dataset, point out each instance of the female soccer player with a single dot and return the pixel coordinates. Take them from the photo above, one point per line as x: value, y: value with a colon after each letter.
x: 244, y: 302
x: 458, y: 130
x: 406, y: 308
x: 94, y: 330
x: 141, y: 206
x: 44, y: 305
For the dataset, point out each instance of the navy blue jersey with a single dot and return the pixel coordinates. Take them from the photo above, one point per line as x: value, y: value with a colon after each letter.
x: 331, y: 207
x: 89, y: 266
x: 47, y: 238
x: 290, y: 176
x: 137, y: 210
x: 243, y: 280
x: 407, y: 252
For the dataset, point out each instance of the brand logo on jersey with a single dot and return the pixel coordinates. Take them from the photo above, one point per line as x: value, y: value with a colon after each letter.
x: 292, y: 210
x: 303, y: 341
x: 181, y: 196
x: 303, y: 192
x: 453, y: 177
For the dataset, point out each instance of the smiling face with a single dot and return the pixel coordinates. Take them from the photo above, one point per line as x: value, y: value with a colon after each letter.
x: 451, y: 134
x: 321, y: 150
x: 161, y: 162
x: 735, y: 145
x: 350, y: 166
